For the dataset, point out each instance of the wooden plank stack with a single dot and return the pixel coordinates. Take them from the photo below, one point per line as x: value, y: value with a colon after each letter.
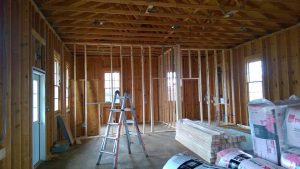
x: 206, y: 140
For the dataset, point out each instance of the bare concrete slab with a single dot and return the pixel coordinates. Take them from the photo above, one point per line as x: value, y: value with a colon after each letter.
x: 160, y: 147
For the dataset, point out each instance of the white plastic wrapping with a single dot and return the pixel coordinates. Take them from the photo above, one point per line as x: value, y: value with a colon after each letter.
x: 258, y: 163
x: 292, y: 126
x: 182, y: 161
x: 231, y: 158
x: 265, y: 126
x: 290, y: 158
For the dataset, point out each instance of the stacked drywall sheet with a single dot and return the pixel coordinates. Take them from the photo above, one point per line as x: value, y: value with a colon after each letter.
x: 205, y: 140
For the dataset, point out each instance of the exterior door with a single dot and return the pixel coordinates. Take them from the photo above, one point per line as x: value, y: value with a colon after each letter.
x: 36, y: 119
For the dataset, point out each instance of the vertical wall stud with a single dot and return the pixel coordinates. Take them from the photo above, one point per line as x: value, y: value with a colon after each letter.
x: 75, y: 93
x: 178, y: 84
x: 151, y: 90
x: 217, y: 95
x: 208, y: 99
x: 225, y: 87
x: 85, y: 90
x: 232, y: 88
x: 200, y: 86
x: 132, y: 74
x: 121, y: 65
x: 143, y: 88
x: 190, y: 64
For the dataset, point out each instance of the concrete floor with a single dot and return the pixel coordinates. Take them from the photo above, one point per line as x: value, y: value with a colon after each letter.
x: 160, y: 147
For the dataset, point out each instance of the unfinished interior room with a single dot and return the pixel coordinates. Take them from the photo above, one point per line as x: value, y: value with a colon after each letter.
x: 149, y: 84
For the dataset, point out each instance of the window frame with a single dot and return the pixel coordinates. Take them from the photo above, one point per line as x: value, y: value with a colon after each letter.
x: 67, y: 87
x: 171, y: 85
x: 57, y: 82
x: 248, y: 61
x: 112, y: 85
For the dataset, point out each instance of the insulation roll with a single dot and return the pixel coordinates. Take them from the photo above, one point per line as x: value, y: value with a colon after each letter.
x: 231, y: 158
x: 290, y: 158
x: 182, y: 161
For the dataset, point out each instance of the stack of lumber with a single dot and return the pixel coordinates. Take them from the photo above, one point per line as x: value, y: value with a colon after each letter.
x: 206, y: 140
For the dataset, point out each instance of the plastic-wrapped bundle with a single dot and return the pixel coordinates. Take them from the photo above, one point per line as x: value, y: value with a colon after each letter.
x: 290, y: 158
x: 182, y: 161
x: 258, y: 163
x: 265, y: 125
x: 231, y: 158
x: 292, y: 126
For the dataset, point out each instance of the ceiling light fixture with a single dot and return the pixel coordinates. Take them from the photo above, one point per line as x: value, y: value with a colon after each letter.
x: 98, y: 22
x: 174, y: 27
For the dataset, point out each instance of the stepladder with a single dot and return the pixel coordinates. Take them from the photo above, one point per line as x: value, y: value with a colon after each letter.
x: 116, y: 120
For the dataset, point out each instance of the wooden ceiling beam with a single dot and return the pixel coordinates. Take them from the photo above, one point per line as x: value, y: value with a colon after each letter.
x: 146, y: 29
x: 203, y: 46
x: 54, y: 19
x: 172, y: 41
x: 136, y: 34
x: 194, y: 5
x: 165, y: 15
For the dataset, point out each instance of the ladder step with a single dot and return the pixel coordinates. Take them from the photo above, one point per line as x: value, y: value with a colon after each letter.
x: 130, y: 121
x: 120, y: 110
x: 121, y: 97
x: 112, y: 138
x: 107, y: 152
x: 113, y: 124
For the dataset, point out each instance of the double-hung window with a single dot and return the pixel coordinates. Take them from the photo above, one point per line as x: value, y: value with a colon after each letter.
x: 254, y: 79
x: 111, y: 84
x: 56, y: 84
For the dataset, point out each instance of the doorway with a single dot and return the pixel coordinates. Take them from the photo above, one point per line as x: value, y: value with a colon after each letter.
x: 38, y: 118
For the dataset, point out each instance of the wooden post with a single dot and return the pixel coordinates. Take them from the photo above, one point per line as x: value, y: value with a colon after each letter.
x: 85, y: 90
x: 151, y: 91
x: 121, y: 74
x: 143, y: 88
x: 62, y: 82
x: 190, y: 64
x: 208, y: 88
x: 178, y: 83
x: 200, y: 86
x: 232, y: 88
x: 217, y: 95
x: 75, y: 92
x: 225, y: 86
x: 111, y: 74
x: 132, y: 74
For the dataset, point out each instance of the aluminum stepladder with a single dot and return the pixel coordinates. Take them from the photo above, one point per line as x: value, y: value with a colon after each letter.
x: 121, y: 121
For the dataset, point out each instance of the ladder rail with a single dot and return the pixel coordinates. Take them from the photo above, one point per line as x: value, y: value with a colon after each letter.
x: 121, y: 121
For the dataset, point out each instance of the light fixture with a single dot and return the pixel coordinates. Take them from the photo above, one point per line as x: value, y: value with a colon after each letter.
x: 98, y: 22
x: 174, y: 27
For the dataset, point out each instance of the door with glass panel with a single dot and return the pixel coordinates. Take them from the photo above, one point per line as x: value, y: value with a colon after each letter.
x: 38, y: 118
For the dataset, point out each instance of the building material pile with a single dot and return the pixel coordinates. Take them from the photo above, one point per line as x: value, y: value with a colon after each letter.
x: 206, y: 140
x: 182, y: 161
x: 275, y: 130
x: 235, y: 158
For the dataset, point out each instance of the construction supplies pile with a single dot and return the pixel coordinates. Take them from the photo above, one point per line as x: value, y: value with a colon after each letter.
x: 183, y: 161
x: 206, y: 140
x: 235, y: 158
x: 275, y: 130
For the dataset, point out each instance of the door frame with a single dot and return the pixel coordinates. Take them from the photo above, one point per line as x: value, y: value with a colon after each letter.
x: 42, y: 114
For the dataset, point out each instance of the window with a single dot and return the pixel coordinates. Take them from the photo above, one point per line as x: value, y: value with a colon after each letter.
x: 111, y: 84
x: 35, y: 101
x: 171, y: 76
x: 254, y: 80
x: 67, y: 87
x: 56, y: 84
